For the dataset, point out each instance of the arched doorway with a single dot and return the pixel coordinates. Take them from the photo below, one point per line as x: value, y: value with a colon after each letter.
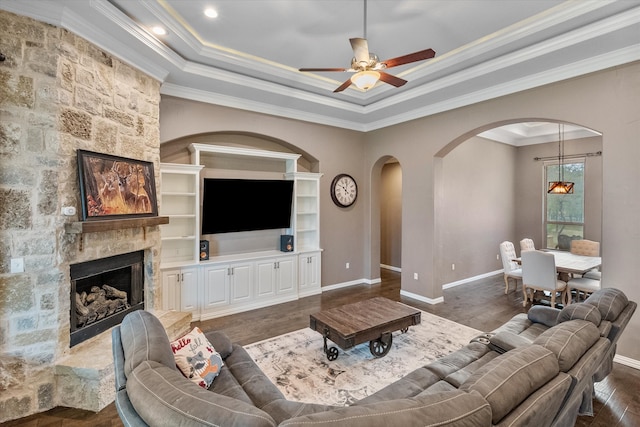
x: 391, y: 215
x: 488, y: 191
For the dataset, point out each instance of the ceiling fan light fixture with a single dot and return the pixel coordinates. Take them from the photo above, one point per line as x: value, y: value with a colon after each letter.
x: 365, y: 79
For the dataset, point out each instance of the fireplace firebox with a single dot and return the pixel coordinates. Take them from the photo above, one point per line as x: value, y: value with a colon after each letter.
x: 103, y: 291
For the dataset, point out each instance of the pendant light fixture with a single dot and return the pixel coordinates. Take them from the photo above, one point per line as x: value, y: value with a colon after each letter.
x: 560, y: 186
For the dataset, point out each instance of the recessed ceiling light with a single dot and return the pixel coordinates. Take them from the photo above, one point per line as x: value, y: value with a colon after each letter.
x: 159, y: 30
x: 211, y: 12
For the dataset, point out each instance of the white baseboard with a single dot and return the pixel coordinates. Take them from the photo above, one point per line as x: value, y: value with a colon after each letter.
x: 351, y: 283
x: 421, y: 298
x: 627, y: 361
x: 342, y: 285
x: 471, y: 279
x: 391, y: 267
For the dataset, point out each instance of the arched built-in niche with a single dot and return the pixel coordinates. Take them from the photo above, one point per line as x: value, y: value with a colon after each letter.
x: 486, y: 192
x: 176, y: 151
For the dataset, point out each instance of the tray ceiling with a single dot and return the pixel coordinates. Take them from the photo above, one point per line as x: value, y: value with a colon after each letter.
x: 249, y: 55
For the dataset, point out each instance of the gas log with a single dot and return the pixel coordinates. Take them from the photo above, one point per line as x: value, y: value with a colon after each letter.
x: 99, y: 303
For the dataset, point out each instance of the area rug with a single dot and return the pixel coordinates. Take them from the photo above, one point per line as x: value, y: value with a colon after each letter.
x: 297, y: 364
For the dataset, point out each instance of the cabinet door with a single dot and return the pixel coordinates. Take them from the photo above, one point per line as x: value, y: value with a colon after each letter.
x: 309, y: 274
x: 216, y: 286
x: 189, y: 290
x: 265, y: 278
x: 313, y: 271
x: 241, y: 282
x: 286, y: 275
x: 171, y: 289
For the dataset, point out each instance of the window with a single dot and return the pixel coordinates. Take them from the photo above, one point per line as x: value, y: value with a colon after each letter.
x: 564, y: 220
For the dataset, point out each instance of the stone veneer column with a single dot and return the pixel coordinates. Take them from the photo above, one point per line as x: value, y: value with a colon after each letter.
x: 58, y: 93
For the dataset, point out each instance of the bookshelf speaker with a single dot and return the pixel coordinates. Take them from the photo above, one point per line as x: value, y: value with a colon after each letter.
x: 286, y: 243
x: 204, y: 250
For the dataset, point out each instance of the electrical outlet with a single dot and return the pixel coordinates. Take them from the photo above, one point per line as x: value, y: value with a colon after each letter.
x: 453, y: 267
x: 415, y: 276
x: 17, y: 265
x: 498, y: 257
x: 347, y: 266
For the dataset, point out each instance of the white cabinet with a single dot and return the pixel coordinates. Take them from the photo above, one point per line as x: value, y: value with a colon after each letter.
x: 216, y: 287
x: 180, y: 290
x: 226, y: 284
x: 309, y: 273
x: 180, y: 201
x: 276, y: 276
x: 241, y: 282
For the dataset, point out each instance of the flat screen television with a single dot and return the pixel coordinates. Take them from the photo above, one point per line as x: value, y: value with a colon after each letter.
x: 230, y: 205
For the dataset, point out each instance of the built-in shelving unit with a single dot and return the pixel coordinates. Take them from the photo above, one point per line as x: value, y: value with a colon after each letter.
x: 180, y: 202
x: 228, y: 283
x: 306, y: 222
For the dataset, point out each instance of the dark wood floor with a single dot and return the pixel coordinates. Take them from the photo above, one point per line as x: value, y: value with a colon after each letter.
x: 481, y: 305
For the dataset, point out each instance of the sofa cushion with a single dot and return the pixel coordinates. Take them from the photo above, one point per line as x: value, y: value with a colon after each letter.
x: 254, y: 382
x: 163, y: 396
x: 609, y: 301
x: 196, y: 357
x: 221, y: 342
x: 457, y: 360
x: 450, y: 408
x: 509, y: 379
x: 547, y: 316
x: 569, y: 341
x: 581, y: 311
x: 144, y: 338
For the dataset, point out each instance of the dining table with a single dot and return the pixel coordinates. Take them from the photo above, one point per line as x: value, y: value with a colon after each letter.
x: 568, y: 264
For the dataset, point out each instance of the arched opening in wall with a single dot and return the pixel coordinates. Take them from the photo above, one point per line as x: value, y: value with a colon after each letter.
x: 177, y: 151
x: 491, y: 186
x: 391, y: 215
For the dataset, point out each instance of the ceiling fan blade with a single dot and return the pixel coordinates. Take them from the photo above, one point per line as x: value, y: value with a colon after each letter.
x: 322, y: 69
x: 360, y: 49
x: 412, y: 57
x: 392, y: 80
x: 343, y: 86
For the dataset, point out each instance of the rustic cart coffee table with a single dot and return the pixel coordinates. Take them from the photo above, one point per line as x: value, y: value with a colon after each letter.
x: 371, y: 320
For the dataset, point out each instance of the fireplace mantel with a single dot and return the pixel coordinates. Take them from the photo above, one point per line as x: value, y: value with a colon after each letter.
x: 95, y: 226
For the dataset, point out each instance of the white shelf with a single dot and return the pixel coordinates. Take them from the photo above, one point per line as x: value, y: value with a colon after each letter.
x: 179, y: 198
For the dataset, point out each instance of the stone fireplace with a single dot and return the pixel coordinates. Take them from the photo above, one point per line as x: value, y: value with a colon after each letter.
x: 103, y: 291
x: 60, y: 93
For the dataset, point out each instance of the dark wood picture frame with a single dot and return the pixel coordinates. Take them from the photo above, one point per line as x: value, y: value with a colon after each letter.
x: 113, y: 187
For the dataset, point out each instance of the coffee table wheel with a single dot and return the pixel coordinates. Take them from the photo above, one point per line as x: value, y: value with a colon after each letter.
x: 404, y: 330
x: 382, y: 345
x: 332, y: 354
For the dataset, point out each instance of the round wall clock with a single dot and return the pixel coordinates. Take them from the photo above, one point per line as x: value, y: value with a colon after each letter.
x: 344, y: 190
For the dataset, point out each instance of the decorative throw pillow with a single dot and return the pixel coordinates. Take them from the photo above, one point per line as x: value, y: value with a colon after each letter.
x: 196, y: 358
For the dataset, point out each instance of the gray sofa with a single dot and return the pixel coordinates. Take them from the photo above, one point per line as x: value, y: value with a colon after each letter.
x: 537, y: 369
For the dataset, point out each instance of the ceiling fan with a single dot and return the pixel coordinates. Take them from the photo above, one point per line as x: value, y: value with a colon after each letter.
x: 368, y: 67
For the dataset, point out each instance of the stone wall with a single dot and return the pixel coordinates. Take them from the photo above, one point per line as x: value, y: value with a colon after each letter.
x: 58, y: 93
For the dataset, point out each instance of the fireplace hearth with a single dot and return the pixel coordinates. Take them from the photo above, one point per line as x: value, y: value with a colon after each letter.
x: 103, y: 291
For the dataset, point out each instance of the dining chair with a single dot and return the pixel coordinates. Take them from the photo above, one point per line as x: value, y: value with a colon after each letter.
x: 539, y: 274
x: 582, y: 285
x: 527, y: 244
x: 511, y: 268
x: 587, y: 248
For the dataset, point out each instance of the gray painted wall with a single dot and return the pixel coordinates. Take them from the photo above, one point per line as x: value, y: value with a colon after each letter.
x: 605, y: 101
